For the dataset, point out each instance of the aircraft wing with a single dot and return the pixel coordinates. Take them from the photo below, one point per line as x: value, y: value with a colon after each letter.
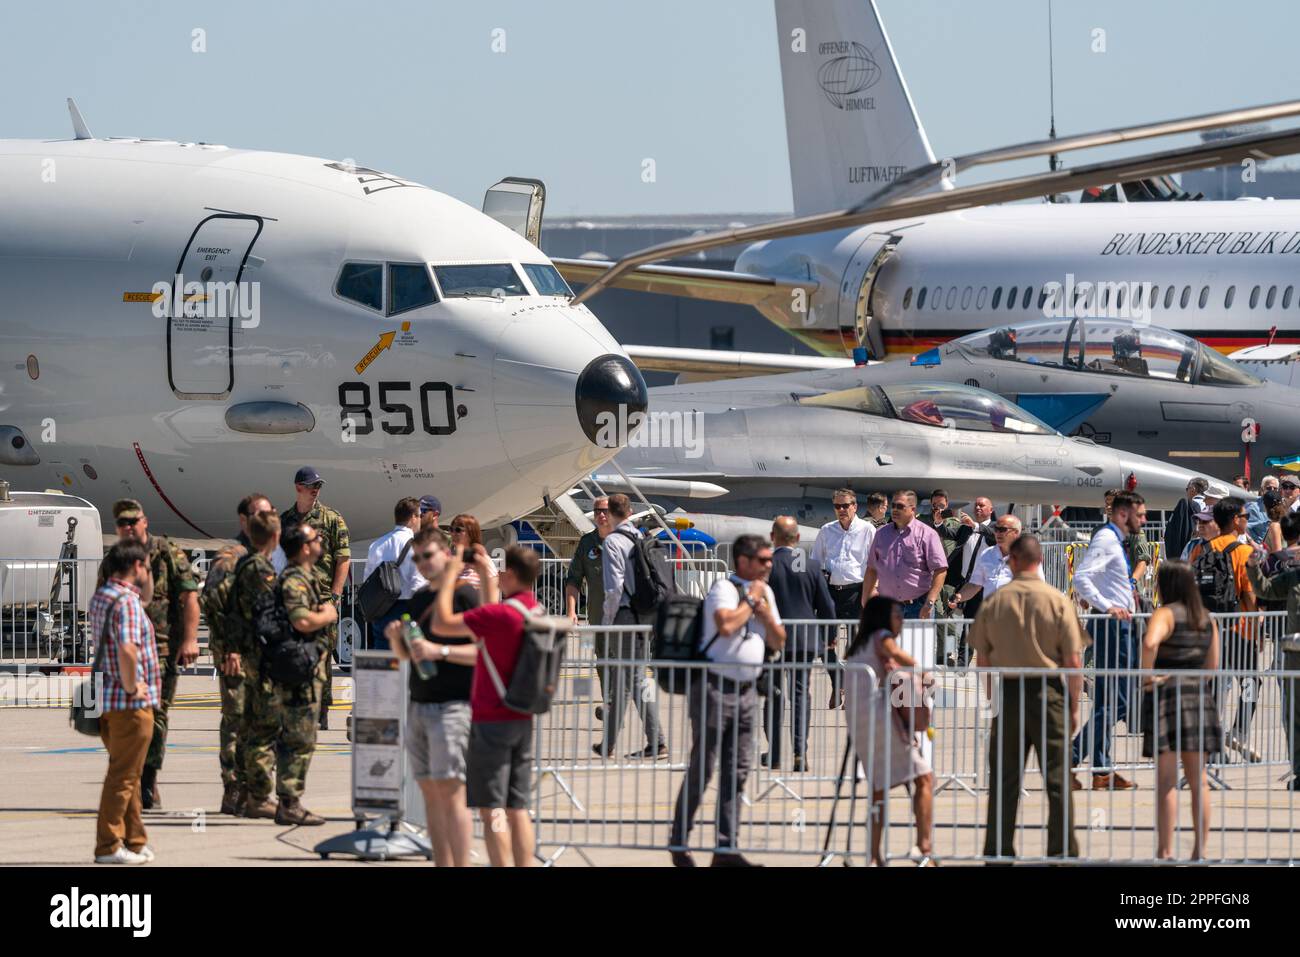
x: 702, y: 364
x: 716, y: 285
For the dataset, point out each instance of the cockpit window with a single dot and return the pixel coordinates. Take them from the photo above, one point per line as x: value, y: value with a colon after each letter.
x: 495, y: 280
x: 961, y: 407
x: 546, y: 279
x: 362, y: 283
x: 1120, y: 348
x: 409, y: 287
x: 1042, y: 343
x: 1218, y: 370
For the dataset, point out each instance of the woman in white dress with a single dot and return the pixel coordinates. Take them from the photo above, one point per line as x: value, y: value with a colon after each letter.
x: 883, y: 736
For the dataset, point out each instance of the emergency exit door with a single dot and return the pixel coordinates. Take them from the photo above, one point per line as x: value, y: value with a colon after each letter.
x: 200, y: 325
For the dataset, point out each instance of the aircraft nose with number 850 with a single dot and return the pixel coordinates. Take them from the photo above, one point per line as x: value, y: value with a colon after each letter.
x: 184, y: 323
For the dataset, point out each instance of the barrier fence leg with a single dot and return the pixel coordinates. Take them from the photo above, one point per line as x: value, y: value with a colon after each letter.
x: 827, y: 854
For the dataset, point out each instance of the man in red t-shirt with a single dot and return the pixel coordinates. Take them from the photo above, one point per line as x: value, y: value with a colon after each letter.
x: 500, y: 763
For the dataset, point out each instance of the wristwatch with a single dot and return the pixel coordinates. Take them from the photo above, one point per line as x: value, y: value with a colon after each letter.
x: 336, y: 597
x: 446, y: 651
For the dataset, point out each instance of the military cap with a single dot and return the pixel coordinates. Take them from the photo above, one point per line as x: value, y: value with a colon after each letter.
x: 127, y: 508
x: 307, y: 475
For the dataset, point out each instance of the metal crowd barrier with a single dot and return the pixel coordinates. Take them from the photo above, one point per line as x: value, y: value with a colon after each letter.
x: 43, y: 605
x: 586, y: 801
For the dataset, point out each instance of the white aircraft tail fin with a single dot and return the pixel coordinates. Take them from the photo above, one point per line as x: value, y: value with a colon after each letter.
x: 850, y: 123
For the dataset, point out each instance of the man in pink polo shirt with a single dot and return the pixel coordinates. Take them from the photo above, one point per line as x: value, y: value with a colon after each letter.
x: 906, y: 561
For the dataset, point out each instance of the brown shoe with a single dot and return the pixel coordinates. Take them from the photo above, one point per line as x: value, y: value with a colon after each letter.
x: 1111, y: 782
x: 230, y: 799
x: 291, y: 811
x: 259, y: 807
x: 1075, y: 783
x: 731, y: 859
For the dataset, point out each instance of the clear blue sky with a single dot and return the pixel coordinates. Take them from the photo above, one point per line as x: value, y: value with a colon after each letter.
x: 588, y: 88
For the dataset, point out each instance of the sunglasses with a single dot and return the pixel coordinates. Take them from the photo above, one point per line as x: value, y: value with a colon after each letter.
x: 426, y: 556
x: 121, y: 522
x: 844, y: 505
x: 458, y: 529
x: 1003, y: 528
x: 900, y: 505
x: 762, y: 561
x: 309, y: 541
x: 600, y: 511
x: 315, y: 486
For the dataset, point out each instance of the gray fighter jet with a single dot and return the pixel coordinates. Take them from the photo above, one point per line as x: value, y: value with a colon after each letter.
x: 783, y: 443
x: 1122, y: 383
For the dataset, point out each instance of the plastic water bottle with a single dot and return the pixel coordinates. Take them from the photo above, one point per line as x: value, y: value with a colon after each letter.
x: 410, y: 632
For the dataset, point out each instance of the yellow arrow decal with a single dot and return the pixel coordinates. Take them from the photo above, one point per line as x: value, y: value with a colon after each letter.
x: 385, y: 342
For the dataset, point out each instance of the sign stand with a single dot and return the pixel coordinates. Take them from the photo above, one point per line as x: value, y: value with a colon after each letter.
x: 379, y: 767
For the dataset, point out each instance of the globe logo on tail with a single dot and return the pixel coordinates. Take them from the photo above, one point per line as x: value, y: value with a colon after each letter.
x: 844, y: 76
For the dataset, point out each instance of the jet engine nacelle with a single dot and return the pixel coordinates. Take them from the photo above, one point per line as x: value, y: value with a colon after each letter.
x: 844, y: 310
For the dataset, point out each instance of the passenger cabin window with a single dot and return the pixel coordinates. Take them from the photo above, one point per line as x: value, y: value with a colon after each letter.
x: 1271, y: 298
x: 1205, y: 297
x: 997, y: 297
x: 362, y: 283
x: 1286, y: 298
x: 546, y: 279
x: 1029, y: 295
x: 1011, y: 298
x: 1228, y: 296
x: 907, y: 298
x: 495, y: 280
x: 409, y: 287
x: 961, y: 407
x: 920, y: 298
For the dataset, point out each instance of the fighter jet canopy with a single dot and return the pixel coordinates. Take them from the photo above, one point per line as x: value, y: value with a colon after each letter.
x: 1110, y: 346
x: 941, y: 404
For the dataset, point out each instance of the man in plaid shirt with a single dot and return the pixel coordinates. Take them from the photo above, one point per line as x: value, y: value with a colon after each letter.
x: 131, y: 691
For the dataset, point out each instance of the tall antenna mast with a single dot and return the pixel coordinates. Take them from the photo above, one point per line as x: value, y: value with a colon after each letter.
x: 1054, y: 160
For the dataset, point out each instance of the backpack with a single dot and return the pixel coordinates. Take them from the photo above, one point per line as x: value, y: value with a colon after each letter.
x: 649, y: 555
x: 1216, y: 580
x: 679, y: 626
x: 537, y: 669
x: 220, y: 582
x: 288, y: 656
x: 382, y: 587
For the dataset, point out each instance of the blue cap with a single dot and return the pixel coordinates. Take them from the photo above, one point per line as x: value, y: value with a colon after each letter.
x: 429, y: 503
x: 307, y: 476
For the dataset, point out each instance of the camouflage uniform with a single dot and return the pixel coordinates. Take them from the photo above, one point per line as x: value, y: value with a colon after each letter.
x: 172, y: 578
x: 336, y: 545
x: 587, y: 566
x: 283, y: 717
x: 215, y: 601
x: 256, y: 576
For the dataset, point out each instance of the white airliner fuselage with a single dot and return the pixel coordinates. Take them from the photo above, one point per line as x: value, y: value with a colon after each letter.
x: 1226, y: 273
x: 391, y: 381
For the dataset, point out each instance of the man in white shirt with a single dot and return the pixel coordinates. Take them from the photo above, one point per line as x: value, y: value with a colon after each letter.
x: 841, y: 549
x: 992, y: 569
x: 974, y: 538
x: 741, y: 625
x: 1104, y: 580
x: 390, y: 548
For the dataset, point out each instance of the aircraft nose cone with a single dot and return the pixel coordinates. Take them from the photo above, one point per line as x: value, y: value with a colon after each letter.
x: 610, y: 389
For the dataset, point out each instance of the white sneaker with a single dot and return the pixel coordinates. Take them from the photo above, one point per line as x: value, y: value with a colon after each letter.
x: 121, y: 856
x: 146, y: 852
